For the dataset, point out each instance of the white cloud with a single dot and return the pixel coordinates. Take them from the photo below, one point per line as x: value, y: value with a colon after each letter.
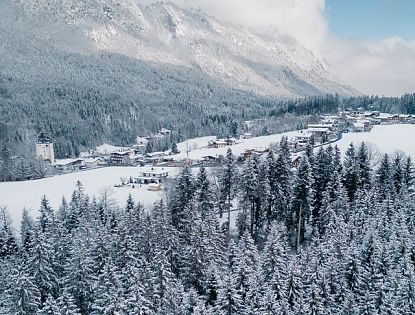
x: 374, y: 67
x: 302, y: 19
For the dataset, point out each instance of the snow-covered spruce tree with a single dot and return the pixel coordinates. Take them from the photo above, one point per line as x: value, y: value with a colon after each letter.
x: 27, y: 232
x: 321, y: 170
x: 364, y: 168
x: 41, y: 265
x: 66, y: 304
x: 50, y: 307
x: 351, y: 172
x: 79, y: 275
x: 204, y: 194
x: 8, y: 243
x: 229, y: 301
x: 282, y: 181
x: 228, y: 185
x: 24, y: 296
x: 300, y: 203
x: 182, y: 195
x: 384, y: 178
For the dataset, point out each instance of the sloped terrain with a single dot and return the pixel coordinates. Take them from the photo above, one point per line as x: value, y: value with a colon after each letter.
x: 95, y: 70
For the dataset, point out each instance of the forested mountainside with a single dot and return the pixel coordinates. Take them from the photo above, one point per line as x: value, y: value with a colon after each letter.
x: 332, y: 237
x: 85, y: 72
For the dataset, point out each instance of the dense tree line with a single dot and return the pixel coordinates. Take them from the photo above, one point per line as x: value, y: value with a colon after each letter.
x: 332, y: 236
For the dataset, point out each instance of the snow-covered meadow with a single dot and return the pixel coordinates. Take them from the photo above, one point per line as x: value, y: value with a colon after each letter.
x: 385, y: 138
x: 16, y: 196
x: 198, y: 148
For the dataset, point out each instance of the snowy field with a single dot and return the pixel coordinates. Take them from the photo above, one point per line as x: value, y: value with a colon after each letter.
x: 19, y: 195
x: 199, y: 147
x: 386, y: 138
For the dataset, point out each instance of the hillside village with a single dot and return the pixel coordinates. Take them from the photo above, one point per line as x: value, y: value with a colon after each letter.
x: 329, y: 129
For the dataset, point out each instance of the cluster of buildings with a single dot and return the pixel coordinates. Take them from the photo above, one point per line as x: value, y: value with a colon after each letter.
x: 328, y: 129
x: 316, y: 134
x: 220, y: 143
x: 126, y: 157
x: 331, y: 126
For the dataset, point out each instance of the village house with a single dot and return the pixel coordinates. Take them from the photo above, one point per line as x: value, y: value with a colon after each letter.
x: 220, y: 143
x: 70, y: 164
x: 300, y: 140
x: 320, y: 134
x: 361, y: 125
x: 335, y: 121
x: 295, y: 160
x: 93, y: 162
x: 246, y: 135
x: 123, y: 158
x: 406, y: 119
x: 210, y: 159
x: 387, y: 119
x: 329, y: 127
x: 155, y: 157
x: 358, y: 127
x: 151, y: 177
x: 255, y: 151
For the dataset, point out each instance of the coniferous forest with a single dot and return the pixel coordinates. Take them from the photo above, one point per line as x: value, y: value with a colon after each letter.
x: 335, y: 235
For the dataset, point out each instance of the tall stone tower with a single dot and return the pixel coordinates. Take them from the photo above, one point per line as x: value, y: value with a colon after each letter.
x: 44, y: 149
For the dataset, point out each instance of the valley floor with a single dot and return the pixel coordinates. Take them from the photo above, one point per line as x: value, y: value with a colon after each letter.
x: 19, y: 195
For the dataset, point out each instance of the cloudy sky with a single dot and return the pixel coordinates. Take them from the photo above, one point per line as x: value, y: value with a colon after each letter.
x: 369, y: 43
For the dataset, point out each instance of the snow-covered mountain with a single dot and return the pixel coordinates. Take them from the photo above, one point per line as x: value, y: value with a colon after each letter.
x: 41, y: 34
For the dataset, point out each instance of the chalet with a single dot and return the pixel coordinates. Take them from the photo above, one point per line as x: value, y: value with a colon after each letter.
x: 70, y: 164
x: 301, y: 139
x: 151, y: 177
x: 256, y: 151
x: 362, y: 125
x: 337, y: 122
x: 210, y: 159
x: 388, y: 118
x: 93, y: 162
x: 328, y: 126
x: 246, y: 135
x: 406, y: 119
x: 155, y: 157
x: 123, y: 158
x: 371, y: 114
x: 295, y: 160
x: 320, y: 134
x: 358, y: 127
x: 219, y: 143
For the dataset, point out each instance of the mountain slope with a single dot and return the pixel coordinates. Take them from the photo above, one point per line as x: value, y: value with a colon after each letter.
x: 87, y: 71
x: 167, y: 34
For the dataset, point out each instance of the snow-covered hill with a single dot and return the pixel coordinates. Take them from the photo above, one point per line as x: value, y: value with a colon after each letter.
x: 164, y: 35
